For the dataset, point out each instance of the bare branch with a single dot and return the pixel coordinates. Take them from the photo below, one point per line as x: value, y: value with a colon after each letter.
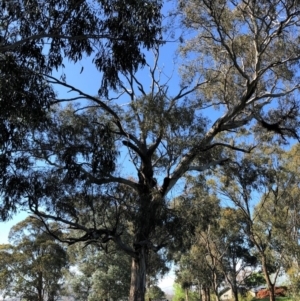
x: 111, y: 179
x: 230, y: 146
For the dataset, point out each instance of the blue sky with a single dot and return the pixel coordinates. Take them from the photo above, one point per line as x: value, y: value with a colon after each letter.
x: 5, y: 226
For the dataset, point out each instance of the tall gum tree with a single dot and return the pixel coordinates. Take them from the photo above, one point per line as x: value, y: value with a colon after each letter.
x: 244, y: 62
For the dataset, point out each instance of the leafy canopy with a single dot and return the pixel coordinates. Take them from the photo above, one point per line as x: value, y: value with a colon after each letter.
x: 32, y: 265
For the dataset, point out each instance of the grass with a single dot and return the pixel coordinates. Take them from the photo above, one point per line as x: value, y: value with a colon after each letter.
x: 277, y: 299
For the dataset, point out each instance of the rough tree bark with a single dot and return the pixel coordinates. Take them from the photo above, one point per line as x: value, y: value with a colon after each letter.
x: 138, y: 275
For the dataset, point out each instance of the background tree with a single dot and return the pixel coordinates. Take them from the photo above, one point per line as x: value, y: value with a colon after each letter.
x: 155, y: 293
x: 291, y: 165
x: 219, y: 248
x: 197, y: 267
x: 180, y: 294
x: 98, y: 275
x: 74, y: 167
x: 31, y: 267
x: 223, y: 253
x: 105, y: 273
x: 268, y: 224
x: 183, y: 276
x: 234, y: 250
x: 255, y: 279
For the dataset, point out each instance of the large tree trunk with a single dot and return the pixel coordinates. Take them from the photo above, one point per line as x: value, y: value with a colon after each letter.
x: 145, y: 225
x: 208, y: 294
x: 215, y: 284
x: 138, y: 276
x: 235, y: 294
x: 205, y: 293
x: 272, y: 292
x: 215, y: 290
x: 40, y: 286
x: 200, y: 295
x: 186, y: 294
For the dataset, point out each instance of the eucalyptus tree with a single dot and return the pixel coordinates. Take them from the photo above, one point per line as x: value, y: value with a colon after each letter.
x: 207, y: 275
x: 245, y: 55
x: 195, y: 273
x: 223, y: 253
x: 234, y: 249
x: 291, y: 164
x: 183, y: 276
x: 290, y: 167
x: 220, y: 253
x: 198, y: 265
x: 31, y: 266
x: 154, y: 292
x: 181, y: 294
x: 267, y: 222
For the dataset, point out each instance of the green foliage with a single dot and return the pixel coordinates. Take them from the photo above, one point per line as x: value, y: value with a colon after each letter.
x: 109, y: 30
x: 277, y: 299
x: 294, y: 281
x: 154, y: 293
x: 255, y: 279
x: 98, y: 275
x: 180, y: 293
x: 70, y: 141
x: 35, y: 40
x: 270, y: 226
x: 32, y: 266
x: 247, y: 297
